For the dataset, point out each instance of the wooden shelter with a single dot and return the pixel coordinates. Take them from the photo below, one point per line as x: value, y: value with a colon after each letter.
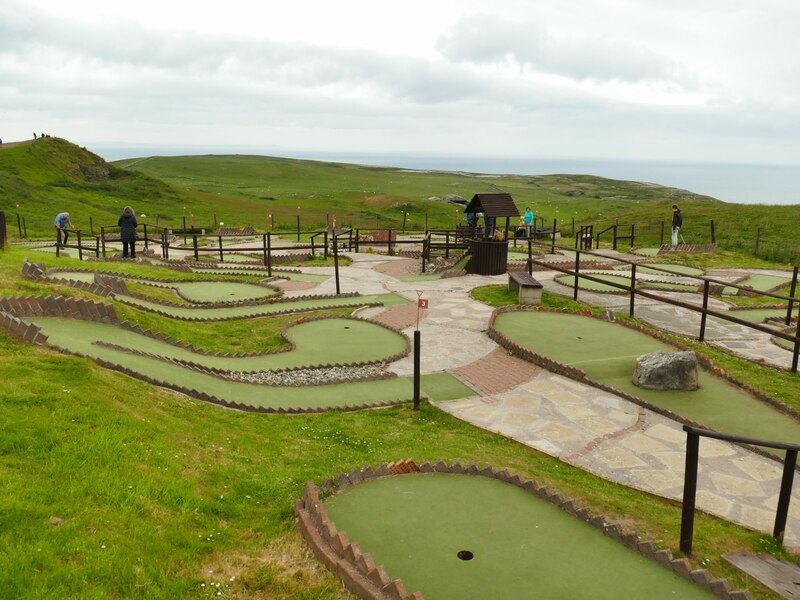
x: 493, y: 206
x: 489, y: 256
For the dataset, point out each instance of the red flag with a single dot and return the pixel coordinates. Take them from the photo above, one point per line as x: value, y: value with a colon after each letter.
x: 422, y: 303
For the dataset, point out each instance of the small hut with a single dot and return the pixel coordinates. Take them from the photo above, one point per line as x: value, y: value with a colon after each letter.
x: 489, y: 256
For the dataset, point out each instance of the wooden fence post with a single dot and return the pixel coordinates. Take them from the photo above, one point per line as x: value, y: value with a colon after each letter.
x: 689, y: 492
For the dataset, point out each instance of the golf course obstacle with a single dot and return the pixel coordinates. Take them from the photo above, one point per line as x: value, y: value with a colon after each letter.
x: 362, y: 575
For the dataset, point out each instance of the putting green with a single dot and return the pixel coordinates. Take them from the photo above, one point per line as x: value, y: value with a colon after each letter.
x: 354, y: 341
x: 243, y: 312
x: 651, y: 268
x: 523, y: 547
x: 760, y: 283
x: 593, y: 286
x: 757, y: 315
x: 607, y: 352
x: 78, y: 336
x: 265, y: 273
x: 222, y: 291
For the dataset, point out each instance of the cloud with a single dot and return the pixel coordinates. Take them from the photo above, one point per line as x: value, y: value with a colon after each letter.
x: 486, y: 39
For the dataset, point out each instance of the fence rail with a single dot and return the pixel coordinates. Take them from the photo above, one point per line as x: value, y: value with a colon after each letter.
x: 693, y: 435
x: 704, y: 311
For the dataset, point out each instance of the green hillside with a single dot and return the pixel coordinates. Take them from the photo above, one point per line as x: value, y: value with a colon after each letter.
x: 50, y: 175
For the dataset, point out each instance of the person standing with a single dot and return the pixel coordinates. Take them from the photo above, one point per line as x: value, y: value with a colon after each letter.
x: 677, y: 223
x: 62, y: 225
x: 127, y: 232
x: 528, y: 218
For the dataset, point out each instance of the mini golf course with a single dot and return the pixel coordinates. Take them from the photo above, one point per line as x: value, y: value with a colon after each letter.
x: 454, y: 536
x: 607, y: 353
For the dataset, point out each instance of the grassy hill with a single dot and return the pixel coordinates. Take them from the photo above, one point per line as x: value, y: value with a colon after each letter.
x: 49, y: 175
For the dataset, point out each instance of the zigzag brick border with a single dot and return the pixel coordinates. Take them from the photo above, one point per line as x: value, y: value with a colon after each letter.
x: 369, y: 581
x: 667, y: 249
x: 580, y: 375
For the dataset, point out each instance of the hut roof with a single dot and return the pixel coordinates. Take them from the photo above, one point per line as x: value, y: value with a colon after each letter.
x: 493, y: 205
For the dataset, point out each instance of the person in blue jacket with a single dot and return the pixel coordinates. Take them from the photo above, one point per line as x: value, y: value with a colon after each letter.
x: 62, y: 225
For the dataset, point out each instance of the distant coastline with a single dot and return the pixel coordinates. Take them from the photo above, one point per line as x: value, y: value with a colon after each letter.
x: 735, y: 183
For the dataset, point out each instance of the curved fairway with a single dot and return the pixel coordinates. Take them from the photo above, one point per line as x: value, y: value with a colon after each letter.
x: 346, y: 341
x: 759, y: 283
x: 607, y: 353
x: 523, y: 547
x: 593, y: 286
x: 222, y: 291
x: 652, y: 268
x: 243, y: 312
x: 79, y: 336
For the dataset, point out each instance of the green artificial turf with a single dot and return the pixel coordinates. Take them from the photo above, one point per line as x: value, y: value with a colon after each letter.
x: 594, y: 286
x: 77, y: 336
x: 242, y: 312
x: 653, y: 268
x: 523, y: 547
x: 760, y: 283
x: 607, y: 353
x: 222, y: 291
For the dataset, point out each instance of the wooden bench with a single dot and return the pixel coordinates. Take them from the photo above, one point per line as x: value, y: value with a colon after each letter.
x: 530, y: 290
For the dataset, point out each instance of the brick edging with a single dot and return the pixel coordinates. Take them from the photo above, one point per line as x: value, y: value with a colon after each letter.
x: 369, y: 581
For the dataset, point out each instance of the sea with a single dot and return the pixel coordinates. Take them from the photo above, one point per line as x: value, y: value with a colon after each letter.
x: 729, y: 182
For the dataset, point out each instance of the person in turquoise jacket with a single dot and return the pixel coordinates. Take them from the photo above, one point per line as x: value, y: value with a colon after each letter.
x: 528, y: 218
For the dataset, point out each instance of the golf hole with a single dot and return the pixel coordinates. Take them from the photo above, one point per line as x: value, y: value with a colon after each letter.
x: 465, y: 555
x: 347, y: 327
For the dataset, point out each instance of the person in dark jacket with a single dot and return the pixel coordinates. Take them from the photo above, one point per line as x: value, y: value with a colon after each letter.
x: 127, y: 232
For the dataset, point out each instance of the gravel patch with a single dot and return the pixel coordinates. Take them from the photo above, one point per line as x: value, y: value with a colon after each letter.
x: 298, y: 377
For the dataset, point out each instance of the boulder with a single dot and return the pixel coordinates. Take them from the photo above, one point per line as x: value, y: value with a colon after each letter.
x: 666, y: 371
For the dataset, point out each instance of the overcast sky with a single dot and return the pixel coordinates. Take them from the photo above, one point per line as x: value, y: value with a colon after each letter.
x: 678, y: 80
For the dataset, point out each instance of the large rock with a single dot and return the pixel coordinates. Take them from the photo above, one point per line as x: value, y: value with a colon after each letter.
x: 666, y: 371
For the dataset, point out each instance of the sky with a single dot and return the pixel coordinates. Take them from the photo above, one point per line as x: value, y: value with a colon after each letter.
x: 689, y: 81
